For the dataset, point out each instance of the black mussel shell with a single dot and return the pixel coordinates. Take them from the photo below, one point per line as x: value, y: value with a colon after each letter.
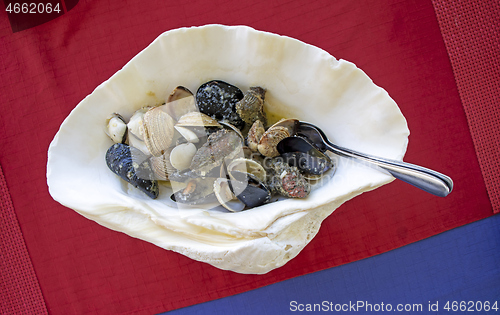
x: 132, y: 166
x: 301, y: 153
x: 307, y: 163
x: 218, y: 99
x: 249, y: 190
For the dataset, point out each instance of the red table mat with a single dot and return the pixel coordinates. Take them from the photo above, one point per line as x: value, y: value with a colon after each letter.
x: 83, y: 268
x: 471, y: 32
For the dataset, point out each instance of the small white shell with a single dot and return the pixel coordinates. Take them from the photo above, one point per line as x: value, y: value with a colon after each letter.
x: 187, y: 134
x: 116, y: 128
x: 181, y: 156
x: 135, y: 122
x: 135, y: 142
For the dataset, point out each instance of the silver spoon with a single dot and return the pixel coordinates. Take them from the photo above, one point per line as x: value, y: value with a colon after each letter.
x: 426, y: 179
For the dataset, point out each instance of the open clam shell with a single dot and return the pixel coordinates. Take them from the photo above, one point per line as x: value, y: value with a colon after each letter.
x: 249, y: 166
x: 340, y: 98
x: 226, y: 197
x: 180, y: 102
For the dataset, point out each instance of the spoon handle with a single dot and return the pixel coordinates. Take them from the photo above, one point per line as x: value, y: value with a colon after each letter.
x: 426, y: 179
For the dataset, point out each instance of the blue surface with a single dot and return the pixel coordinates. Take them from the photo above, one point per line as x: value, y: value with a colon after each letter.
x: 459, y: 265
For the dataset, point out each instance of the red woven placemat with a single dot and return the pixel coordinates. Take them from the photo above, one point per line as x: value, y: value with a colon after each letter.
x: 83, y: 268
x: 19, y: 289
x: 471, y: 32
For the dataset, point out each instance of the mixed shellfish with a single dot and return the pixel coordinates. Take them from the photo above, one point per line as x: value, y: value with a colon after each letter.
x: 212, y: 146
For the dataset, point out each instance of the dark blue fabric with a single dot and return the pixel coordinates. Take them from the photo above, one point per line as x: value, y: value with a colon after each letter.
x: 459, y: 265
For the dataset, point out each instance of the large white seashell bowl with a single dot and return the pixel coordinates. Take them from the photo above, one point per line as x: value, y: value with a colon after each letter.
x: 302, y: 81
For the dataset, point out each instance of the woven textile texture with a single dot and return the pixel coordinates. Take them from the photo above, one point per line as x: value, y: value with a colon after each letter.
x: 471, y: 32
x: 21, y: 292
x: 84, y: 268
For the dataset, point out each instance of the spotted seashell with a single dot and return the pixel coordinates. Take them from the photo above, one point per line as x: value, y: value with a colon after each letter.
x: 133, y: 167
x: 287, y: 180
x: 254, y: 135
x: 218, y: 99
x: 268, y: 143
x: 251, y: 107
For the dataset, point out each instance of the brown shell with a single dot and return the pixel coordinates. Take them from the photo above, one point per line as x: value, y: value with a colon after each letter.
x: 270, y: 139
x: 288, y: 181
x: 254, y: 135
x: 158, y: 130
x: 161, y: 166
x: 251, y: 107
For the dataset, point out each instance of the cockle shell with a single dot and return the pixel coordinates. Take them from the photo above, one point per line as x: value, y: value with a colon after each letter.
x: 254, y: 135
x: 270, y: 139
x: 289, y: 123
x: 302, y: 81
x: 158, y: 130
x: 251, y: 107
x: 161, y: 166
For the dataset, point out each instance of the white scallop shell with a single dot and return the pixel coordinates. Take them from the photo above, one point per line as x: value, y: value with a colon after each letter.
x: 302, y: 81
